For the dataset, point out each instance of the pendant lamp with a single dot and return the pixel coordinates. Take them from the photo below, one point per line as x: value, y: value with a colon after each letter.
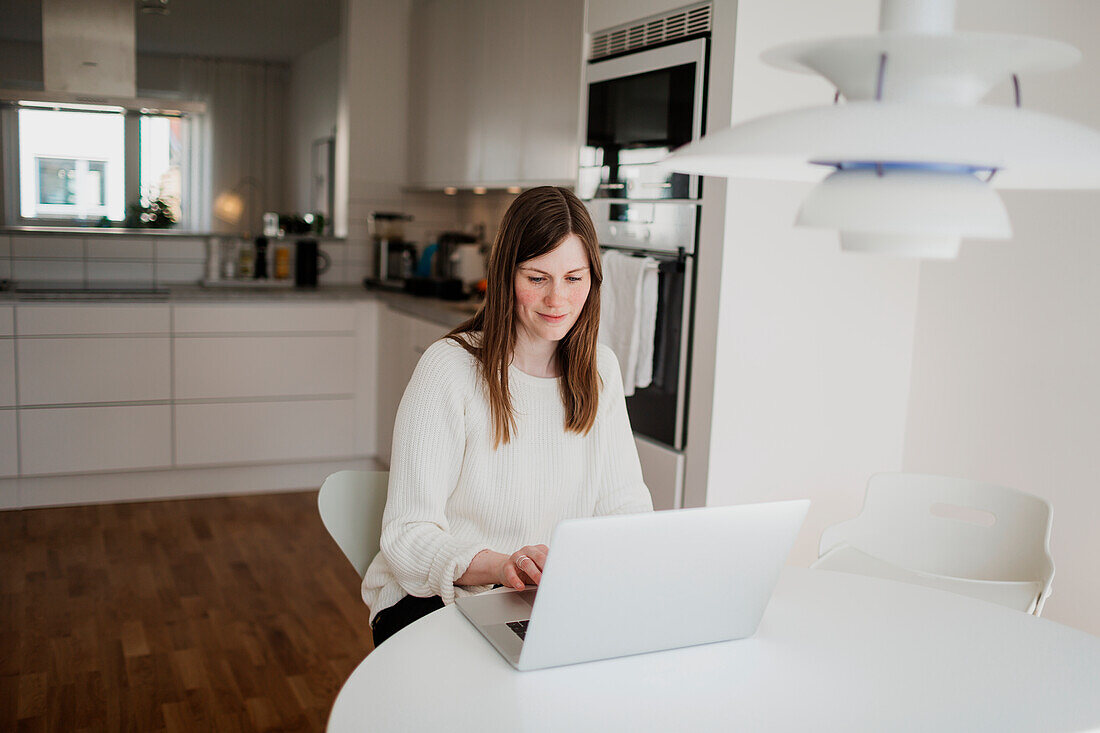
x: 907, y: 164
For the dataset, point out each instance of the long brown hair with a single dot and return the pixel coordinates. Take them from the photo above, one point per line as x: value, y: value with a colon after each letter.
x: 536, y: 223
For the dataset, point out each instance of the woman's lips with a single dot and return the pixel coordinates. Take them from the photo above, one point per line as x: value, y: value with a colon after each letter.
x: 553, y: 319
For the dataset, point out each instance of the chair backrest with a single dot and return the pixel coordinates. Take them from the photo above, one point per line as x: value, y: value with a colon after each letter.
x: 351, y: 505
x: 951, y: 526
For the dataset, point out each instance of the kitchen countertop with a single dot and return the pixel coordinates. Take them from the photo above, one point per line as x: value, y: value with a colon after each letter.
x: 443, y: 312
x: 96, y: 231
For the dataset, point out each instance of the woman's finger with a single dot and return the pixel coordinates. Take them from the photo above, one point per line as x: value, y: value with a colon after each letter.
x: 538, y: 554
x: 530, y: 567
x: 511, y: 577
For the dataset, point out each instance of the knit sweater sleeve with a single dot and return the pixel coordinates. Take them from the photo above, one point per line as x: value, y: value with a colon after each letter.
x: 622, y: 488
x: 428, y: 444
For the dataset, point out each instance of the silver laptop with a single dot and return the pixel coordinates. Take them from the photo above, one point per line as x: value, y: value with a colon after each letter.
x: 636, y: 583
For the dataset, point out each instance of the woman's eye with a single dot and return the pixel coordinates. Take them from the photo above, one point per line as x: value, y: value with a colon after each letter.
x: 575, y: 279
x: 536, y: 280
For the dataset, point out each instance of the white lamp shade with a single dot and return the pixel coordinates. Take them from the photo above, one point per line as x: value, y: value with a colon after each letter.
x: 1028, y: 149
x: 906, y: 202
x: 925, y: 247
x: 959, y: 68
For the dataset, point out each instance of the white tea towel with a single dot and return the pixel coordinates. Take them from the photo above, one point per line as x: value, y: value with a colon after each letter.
x: 628, y: 315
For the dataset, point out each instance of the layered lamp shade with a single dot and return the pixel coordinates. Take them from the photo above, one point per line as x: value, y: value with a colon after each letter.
x: 908, y: 163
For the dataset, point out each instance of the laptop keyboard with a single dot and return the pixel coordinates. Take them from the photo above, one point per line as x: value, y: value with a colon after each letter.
x: 519, y: 627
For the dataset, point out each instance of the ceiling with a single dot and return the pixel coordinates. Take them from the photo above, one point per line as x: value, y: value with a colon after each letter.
x: 275, y: 30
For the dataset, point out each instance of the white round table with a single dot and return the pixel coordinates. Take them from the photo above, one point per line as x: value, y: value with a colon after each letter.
x: 834, y: 652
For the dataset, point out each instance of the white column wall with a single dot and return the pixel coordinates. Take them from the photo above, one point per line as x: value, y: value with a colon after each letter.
x: 1006, y: 357
x: 813, y: 349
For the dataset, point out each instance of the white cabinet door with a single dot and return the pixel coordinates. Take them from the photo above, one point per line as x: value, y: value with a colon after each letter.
x: 105, y: 320
x: 9, y: 455
x: 447, y: 53
x: 402, y: 341
x: 552, y: 86
x: 235, y: 318
x: 7, y: 372
x: 55, y: 371
x: 7, y: 320
x: 87, y: 439
x: 264, y: 366
x: 500, y: 91
x: 211, y: 434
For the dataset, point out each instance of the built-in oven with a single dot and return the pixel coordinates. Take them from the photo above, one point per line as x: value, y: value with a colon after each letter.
x: 641, y: 106
x: 646, y: 95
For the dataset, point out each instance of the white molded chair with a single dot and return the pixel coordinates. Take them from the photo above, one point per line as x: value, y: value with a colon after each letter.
x: 351, y: 505
x: 980, y: 540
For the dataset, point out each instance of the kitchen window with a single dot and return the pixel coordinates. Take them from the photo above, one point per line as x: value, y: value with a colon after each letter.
x: 85, y: 164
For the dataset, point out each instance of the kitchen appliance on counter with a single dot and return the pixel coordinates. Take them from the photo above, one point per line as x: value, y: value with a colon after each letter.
x: 310, y: 261
x: 449, y: 247
x: 394, y: 258
x: 644, y: 99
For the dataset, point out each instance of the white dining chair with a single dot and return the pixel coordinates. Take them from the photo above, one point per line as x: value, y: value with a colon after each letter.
x: 981, y: 540
x: 351, y: 505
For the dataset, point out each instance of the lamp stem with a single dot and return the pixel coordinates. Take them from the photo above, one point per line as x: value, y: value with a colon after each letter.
x: 917, y: 16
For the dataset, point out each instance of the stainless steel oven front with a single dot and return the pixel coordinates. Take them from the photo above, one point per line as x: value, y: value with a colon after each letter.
x: 640, y: 106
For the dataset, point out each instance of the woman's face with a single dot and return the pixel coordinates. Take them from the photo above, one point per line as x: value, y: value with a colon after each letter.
x: 551, y: 291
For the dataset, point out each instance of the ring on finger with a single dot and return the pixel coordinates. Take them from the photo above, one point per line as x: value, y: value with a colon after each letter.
x: 520, y: 559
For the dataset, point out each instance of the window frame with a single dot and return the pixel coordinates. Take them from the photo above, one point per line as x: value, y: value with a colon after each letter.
x: 10, y: 184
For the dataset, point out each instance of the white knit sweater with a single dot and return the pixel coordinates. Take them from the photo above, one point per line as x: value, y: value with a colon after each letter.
x: 451, y: 494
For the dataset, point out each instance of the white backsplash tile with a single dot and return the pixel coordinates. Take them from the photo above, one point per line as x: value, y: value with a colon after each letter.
x: 179, y: 272
x: 181, y: 248
x: 5, y: 245
x: 35, y: 246
x: 119, y: 248
x: 107, y: 271
x: 5, y: 269
x: 24, y: 270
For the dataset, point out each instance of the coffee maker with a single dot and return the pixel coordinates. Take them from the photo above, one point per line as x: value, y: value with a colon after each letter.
x: 394, y: 258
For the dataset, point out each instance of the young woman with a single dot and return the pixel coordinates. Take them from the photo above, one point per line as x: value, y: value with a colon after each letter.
x: 515, y: 421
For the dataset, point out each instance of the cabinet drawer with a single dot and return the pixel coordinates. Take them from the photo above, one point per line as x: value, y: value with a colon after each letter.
x: 230, y: 318
x: 9, y: 455
x: 263, y: 431
x: 7, y: 372
x: 81, y: 439
x: 264, y: 366
x: 65, y: 371
x: 72, y: 320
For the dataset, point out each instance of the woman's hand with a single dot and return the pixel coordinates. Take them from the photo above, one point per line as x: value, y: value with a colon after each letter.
x: 524, y: 567
x: 515, y: 571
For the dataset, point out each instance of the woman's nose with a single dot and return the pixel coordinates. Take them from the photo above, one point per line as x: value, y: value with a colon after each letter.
x: 555, y: 293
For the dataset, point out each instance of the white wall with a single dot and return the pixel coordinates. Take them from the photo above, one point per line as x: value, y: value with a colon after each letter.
x: 312, y: 116
x: 813, y: 346
x: 1006, y: 358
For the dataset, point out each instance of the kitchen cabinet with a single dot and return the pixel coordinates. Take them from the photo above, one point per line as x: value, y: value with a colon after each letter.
x: 9, y: 444
x: 403, y: 340
x: 253, y: 432
x: 105, y: 369
x: 233, y: 318
x: 7, y: 372
x: 264, y: 366
x: 496, y: 87
x: 92, y: 320
x: 89, y: 439
x: 444, y: 136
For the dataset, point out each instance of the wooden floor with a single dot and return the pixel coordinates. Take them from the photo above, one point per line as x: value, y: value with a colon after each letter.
x: 225, y: 614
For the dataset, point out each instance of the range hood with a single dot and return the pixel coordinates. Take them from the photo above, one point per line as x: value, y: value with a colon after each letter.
x: 89, y: 57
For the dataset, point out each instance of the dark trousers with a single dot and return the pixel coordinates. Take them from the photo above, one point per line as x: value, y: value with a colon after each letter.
x: 410, y: 608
